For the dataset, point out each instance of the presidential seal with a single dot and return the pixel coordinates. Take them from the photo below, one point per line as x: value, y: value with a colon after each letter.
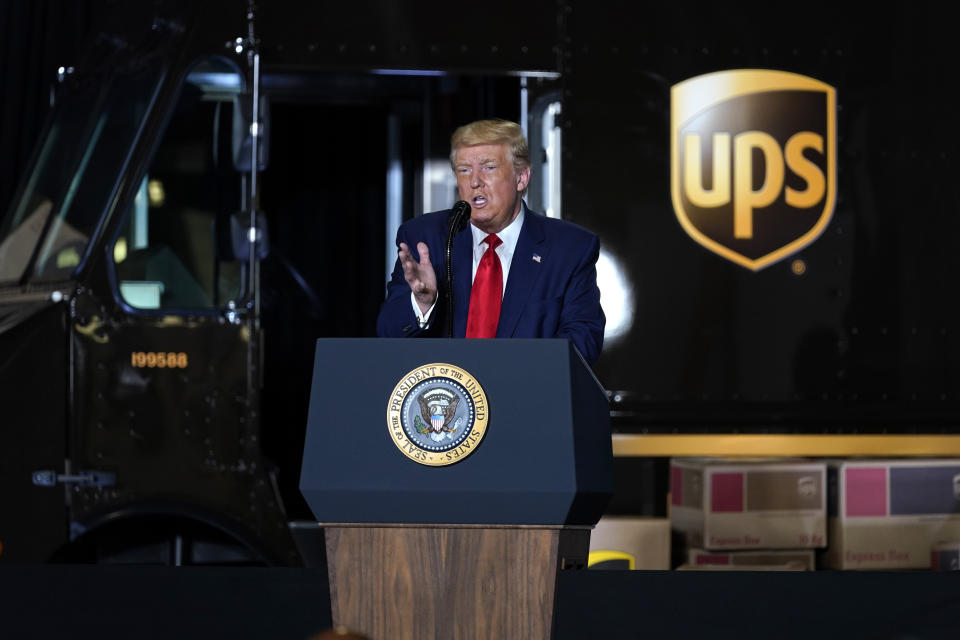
x: 437, y: 414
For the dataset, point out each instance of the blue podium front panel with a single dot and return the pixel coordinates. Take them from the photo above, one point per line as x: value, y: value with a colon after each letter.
x: 544, y: 458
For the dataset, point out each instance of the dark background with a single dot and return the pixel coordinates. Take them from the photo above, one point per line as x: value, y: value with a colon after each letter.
x: 864, y: 340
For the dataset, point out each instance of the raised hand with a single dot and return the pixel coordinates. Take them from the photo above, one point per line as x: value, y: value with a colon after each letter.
x: 419, y: 275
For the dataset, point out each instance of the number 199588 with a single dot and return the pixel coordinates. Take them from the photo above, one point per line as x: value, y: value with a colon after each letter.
x: 159, y: 359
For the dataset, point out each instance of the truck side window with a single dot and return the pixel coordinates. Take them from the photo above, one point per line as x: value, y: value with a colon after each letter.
x: 167, y: 255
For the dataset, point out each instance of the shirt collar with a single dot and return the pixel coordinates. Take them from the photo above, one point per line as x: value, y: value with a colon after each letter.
x: 508, y: 235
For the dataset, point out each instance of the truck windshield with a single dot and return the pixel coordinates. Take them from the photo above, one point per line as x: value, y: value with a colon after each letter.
x: 75, y: 174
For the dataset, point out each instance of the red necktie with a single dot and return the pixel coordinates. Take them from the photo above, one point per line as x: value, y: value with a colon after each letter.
x: 486, y: 293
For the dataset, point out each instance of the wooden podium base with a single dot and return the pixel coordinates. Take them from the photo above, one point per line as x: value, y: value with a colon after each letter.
x: 449, y: 581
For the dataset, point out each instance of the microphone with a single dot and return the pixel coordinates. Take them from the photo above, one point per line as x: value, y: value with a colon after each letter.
x: 457, y: 221
x: 459, y: 215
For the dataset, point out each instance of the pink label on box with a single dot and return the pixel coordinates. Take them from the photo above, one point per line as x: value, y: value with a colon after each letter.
x: 726, y: 492
x: 865, y: 493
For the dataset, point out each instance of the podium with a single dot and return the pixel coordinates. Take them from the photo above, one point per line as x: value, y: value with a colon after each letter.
x: 454, y: 479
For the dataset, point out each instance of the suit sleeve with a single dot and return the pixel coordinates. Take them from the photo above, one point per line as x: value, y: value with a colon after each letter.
x: 397, y: 318
x: 581, y: 319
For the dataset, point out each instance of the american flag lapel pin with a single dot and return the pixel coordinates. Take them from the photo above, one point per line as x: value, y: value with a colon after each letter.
x: 536, y: 257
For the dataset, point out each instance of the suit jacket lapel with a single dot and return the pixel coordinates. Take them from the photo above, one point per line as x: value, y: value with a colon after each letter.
x: 524, y: 271
x: 462, y: 279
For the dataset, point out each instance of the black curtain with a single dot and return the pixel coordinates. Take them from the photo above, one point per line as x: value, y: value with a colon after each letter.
x: 36, y: 37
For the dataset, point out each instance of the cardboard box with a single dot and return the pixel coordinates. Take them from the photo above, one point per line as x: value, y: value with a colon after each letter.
x: 889, y: 514
x: 646, y: 539
x: 802, y: 558
x: 737, y: 504
x: 743, y: 567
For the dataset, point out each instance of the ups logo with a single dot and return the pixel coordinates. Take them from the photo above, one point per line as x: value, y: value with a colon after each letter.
x: 753, y: 162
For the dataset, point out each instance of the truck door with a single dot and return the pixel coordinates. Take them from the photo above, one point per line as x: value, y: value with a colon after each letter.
x: 168, y: 363
x: 54, y: 222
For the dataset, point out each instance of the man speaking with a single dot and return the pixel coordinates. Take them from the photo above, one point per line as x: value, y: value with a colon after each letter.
x: 514, y: 272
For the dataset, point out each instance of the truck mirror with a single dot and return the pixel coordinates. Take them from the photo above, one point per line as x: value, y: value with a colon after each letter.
x: 243, y: 132
x: 240, y: 236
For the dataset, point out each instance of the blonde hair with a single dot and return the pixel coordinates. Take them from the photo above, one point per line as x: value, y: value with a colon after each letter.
x: 492, y: 132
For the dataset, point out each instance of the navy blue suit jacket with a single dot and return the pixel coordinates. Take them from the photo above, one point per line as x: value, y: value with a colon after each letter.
x: 555, y: 296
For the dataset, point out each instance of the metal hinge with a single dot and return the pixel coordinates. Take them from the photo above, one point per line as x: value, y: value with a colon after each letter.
x: 83, y: 478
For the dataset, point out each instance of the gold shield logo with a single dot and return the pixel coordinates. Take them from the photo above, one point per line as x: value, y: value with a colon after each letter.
x: 753, y: 162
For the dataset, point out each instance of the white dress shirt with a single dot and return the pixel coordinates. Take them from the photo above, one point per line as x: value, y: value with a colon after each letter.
x: 508, y: 244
